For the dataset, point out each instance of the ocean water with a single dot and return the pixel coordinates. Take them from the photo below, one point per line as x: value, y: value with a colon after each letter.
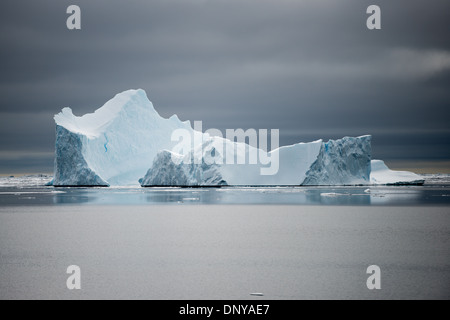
x: 32, y: 191
x: 171, y: 243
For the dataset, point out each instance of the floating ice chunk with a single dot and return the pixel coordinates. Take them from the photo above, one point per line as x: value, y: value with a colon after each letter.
x: 333, y: 194
x: 381, y: 174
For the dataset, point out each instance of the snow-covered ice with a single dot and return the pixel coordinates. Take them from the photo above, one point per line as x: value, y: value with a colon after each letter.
x: 381, y: 174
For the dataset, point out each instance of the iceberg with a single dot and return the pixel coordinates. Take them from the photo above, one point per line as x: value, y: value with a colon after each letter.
x: 126, y: 142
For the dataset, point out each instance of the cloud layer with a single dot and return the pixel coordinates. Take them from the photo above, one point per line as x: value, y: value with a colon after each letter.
x: 309, y: 68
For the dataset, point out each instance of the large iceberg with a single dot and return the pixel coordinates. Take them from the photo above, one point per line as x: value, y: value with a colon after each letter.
x: 381, y: 174
x: 126, y: 142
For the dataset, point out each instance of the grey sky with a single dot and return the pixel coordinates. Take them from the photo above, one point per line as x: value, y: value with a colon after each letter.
x: 310, y: 68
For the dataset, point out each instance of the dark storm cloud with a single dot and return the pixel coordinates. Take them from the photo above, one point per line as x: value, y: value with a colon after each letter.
x: 310, y: 68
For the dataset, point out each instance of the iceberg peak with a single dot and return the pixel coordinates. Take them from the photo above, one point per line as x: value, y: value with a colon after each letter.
x: 94, y: 124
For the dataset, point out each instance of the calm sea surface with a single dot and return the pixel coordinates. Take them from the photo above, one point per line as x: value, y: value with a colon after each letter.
x: 171, y: 243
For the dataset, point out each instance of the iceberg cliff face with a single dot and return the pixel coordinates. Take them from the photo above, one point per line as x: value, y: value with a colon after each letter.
x: 71, y: 168
x: 166, y: 172
x: 342, y: 162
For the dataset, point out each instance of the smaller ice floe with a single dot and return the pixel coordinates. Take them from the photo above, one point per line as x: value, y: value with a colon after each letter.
x: 191, y: 199
x: 382, y: 175
x: 333, y: 194
x: 374, y: 193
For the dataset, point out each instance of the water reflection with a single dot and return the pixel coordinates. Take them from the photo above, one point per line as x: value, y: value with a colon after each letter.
x: 394, y: 195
